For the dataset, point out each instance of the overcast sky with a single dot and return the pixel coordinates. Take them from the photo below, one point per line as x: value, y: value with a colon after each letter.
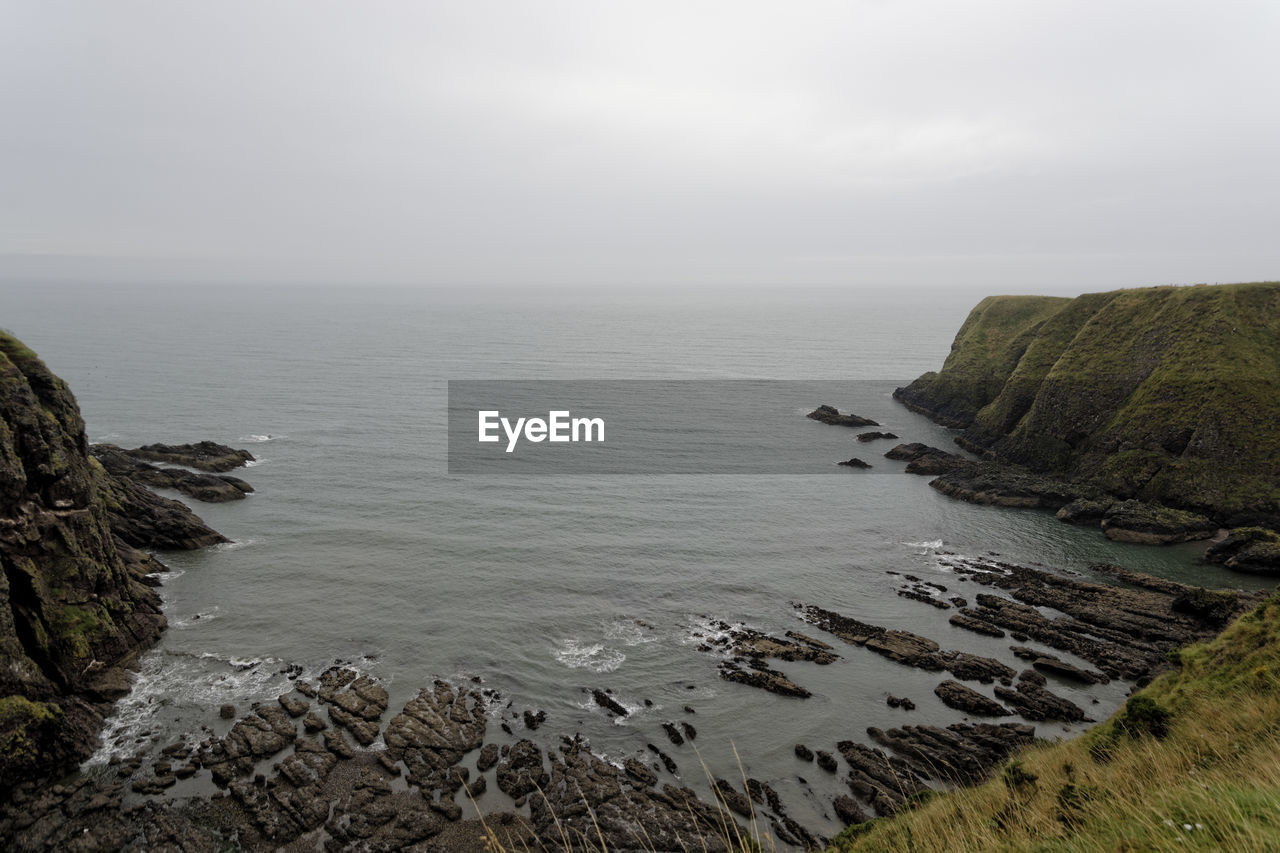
x: 1028, y: 145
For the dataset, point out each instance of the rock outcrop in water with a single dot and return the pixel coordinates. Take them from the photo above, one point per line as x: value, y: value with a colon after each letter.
x: 205, y: 455
x: 1165, y: 396
x: 211, y: 488
x: 831, y: 415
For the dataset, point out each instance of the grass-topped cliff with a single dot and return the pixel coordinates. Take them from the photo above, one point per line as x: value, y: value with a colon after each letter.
x: 1190, y: 762
x: 1170, y: 395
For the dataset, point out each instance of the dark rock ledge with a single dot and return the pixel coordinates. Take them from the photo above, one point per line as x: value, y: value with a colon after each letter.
x: 1125, y: 630
x: 831, y: 415
x: 205, y: 455
x: 1122, y: 520
x: 746, y: 650
x: 211, y: 488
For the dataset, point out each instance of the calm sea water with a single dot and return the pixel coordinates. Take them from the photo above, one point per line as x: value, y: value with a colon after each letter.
x: 359, y: 546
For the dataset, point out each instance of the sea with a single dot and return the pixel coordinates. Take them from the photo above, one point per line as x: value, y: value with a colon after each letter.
x: 363, y: 545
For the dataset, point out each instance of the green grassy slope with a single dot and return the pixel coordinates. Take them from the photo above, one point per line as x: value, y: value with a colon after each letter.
x: 987, y: 349
x: 1170, y: 394
x: 1191, y: 762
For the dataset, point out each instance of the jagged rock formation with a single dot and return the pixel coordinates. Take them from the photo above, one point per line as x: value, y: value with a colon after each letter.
x: 205, y: 455
x: 76, y: 605
x: 831, y: 415
x: 1170, y: 396
x: 212, y: 488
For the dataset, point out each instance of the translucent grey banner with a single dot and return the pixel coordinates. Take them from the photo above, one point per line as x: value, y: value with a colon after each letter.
x: 744, y: 426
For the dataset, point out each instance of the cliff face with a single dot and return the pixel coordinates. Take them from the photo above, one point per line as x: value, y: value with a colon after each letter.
x: 73, y: 605
x: 1168, y: 395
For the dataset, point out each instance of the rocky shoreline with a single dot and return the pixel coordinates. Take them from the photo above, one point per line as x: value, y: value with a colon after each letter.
x: 1254, y: 550
x: 323, y: 765
x: 331, y: 764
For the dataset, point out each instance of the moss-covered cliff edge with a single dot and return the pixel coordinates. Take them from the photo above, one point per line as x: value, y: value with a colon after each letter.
x: 74, y: 605
x: 1170, y: 395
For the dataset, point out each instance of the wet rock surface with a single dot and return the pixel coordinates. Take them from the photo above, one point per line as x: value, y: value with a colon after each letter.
x: 764, y: 678
x: 355, y: 702
x: 747, y: 649
x: 955, y: 695
x: 588, y: 799
x: 906, y: 647
x: 831, y: 415
x: 211, y: 488
x: 604, y: 700
x: 924, y: 458
x: 1124, y: 631
x: 142, y: 519
x: 435, y: 729
x: 205, y: 455
x: 1032, y: 701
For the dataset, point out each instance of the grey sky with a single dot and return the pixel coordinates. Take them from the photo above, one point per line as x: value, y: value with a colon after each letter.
x: 1029, y: 145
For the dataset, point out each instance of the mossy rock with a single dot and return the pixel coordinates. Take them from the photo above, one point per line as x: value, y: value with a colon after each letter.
x: 27, y: 730
x: 1151, y: 524
x: 1248, y: 549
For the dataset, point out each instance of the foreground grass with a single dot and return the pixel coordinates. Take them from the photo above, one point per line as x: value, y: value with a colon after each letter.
x: 1192, y: 762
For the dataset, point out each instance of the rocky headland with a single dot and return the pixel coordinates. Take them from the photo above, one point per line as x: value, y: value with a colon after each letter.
x: 1152, y: 413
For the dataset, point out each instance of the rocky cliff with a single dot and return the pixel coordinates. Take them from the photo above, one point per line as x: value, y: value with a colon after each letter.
x: 75, y: 605
x: 1168, y: 395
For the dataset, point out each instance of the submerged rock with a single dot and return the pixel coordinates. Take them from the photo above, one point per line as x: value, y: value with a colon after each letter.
x: 604, y: 700
x: 764, y: 678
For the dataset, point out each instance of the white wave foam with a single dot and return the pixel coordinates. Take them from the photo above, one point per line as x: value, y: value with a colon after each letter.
x: 234, y: 545
x: 950, y: 562
x: 259, y: 438
x: 167, y: 682
x: 254, y: 463
x: 196, y: 619
x: 596, y: 657
x: 932, y: 544
x: 630, y: 632
x: 632, y: 710
x: 704, y: 629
